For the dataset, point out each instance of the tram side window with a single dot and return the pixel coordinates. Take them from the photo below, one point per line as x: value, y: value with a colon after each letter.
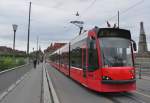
x: 57, y: 58
x: 93, y: 57
x: 65, y: 58
x: 51, y: 58
x: 76, y: 54
x: 76, y: 57
x: 61, y: 58
x: 54, y: 58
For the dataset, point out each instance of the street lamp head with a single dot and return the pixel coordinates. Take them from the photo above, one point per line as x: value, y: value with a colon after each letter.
x: 14, y: 27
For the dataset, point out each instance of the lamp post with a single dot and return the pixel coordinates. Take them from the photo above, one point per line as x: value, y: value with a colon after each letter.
x: 28, y: 40
x: 29, y: 29
x: 14, y: 29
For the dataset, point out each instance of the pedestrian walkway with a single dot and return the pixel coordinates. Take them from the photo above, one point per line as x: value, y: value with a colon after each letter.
x: 29, y: 90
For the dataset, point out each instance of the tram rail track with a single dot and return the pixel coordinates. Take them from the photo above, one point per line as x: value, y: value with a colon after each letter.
x: 133, y: 97
x: 124, y: 97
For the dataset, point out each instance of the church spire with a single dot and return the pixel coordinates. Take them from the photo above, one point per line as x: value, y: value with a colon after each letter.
x: 142, y: 40
x: 142, y: 28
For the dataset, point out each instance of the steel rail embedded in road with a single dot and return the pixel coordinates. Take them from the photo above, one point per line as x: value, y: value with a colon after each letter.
x: 137, y: 100
x: 127, y: 98
x: 145, y: 95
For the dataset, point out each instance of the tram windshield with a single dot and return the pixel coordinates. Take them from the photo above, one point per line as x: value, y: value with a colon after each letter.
x: 116, y: 52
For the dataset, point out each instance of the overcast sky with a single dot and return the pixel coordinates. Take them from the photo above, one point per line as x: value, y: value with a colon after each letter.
x: 50, y: 19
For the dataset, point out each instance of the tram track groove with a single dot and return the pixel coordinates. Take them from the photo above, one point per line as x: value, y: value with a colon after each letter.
x: 122, y: 97
x: 129, y: 95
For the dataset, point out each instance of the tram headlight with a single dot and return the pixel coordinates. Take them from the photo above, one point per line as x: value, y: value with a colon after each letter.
x: 106, y: 78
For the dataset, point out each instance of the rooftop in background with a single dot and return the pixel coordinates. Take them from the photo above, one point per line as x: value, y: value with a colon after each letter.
x: 7, y: 50
x: 54, y: 47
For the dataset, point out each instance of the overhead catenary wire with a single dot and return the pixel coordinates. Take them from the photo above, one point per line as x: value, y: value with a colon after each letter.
x: 88, y: 7
x: 120, y: 12
x: 127, y: 9
x: 83, y: 12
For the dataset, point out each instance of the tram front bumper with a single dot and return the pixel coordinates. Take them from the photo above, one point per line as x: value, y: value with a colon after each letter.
x: 118, y: 81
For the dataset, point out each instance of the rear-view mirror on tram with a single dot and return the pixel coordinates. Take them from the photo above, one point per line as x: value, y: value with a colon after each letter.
x: 134, y: 45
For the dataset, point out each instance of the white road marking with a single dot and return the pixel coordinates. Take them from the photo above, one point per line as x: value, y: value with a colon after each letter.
x: 12, y: 69
x: 18, y: 81
x: 3, y: 95
x: 13, y: 86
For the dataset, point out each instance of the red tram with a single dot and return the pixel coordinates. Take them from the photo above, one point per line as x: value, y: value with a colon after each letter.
x: 101, y: 59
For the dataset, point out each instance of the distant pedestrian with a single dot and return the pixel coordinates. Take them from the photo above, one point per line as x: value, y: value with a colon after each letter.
x: 34, y: 63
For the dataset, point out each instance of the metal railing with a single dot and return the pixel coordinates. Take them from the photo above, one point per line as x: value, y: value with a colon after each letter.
x: 143, y: 69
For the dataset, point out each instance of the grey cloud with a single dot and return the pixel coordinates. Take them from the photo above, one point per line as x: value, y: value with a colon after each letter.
x: 50, y: 18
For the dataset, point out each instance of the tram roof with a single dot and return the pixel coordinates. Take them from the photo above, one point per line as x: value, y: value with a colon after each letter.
x: 102, y: 32
x: 79, y: 38
x: 114, y: 32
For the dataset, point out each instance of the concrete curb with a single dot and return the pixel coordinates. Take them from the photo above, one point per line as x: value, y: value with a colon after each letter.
x: 46, y: 92
x: 13, y: 86
x: 52, y: 92
x: 12, y: 69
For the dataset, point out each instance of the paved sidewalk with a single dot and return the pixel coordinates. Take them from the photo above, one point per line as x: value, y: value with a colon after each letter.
x: 29, y: 90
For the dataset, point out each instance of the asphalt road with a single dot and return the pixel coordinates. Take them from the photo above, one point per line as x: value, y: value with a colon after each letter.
x: 144, y: 85
x: 8, y: 78
x: 69, y: 91
x: 28, y: 90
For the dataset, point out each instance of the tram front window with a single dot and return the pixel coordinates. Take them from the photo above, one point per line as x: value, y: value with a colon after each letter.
x: 116, y: 52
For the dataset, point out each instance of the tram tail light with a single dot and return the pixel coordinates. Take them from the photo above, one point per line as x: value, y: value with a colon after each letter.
x: 132, y: 71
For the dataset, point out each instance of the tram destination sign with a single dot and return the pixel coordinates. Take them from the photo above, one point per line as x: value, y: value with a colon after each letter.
x: 113, y: 32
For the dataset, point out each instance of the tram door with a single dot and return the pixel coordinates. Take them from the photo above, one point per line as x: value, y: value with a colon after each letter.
x: 84, y: 67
